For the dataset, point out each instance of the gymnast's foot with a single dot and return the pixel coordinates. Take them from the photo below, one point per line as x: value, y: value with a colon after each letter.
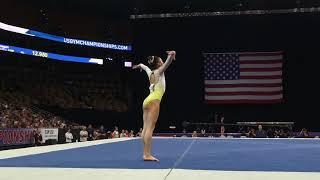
x: 150, y: 158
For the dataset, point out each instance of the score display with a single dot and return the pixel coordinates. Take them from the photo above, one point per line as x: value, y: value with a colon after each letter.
x: 48, y: 55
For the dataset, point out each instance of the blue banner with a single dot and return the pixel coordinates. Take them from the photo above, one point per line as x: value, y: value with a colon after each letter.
x: 11, y: 137
x: 43, y: 54
x: 42, y: 35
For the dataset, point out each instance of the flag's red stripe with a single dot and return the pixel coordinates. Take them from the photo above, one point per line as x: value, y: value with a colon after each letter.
x: 241, y: 85
x: 261, y: 53
x: 243, y: 101
x: 243, y: 93
x: 260, y: 61
x: 260, y: 69
x: 261, y: 77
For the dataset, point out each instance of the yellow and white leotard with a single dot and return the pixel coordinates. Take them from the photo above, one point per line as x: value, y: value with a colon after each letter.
x: 158, y: 88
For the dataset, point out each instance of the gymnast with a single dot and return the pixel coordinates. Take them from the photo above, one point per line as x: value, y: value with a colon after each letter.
x: 151, y: 105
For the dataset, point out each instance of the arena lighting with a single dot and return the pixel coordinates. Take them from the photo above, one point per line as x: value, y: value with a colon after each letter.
x: 42, y: 54
x: 109, y: 58
x: 51, y: 37
x: 227, y: 13
x: 127, y: 64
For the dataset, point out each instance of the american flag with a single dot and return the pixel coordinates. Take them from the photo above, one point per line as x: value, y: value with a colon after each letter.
x: 248, y: 77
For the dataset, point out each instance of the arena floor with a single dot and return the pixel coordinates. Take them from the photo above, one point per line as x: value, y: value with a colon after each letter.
x: 187, y: 158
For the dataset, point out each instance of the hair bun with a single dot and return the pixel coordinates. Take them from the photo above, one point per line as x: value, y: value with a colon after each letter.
x: 150, y: 59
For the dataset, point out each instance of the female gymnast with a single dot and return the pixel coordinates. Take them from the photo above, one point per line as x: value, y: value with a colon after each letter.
x: 151, y: 105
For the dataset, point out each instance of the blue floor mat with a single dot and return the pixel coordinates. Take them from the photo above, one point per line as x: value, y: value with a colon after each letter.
x: 204, y: 154
x: 254, y: 155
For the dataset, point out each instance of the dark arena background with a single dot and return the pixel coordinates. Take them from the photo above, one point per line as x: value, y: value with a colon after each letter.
x: 68, y: 89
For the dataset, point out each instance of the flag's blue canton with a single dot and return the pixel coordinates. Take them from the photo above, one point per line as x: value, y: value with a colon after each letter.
x: 222, y: 66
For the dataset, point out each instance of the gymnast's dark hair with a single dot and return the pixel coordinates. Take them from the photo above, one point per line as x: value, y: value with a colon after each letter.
x: 153, y: 62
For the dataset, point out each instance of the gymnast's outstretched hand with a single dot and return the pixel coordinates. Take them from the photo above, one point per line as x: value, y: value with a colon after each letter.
x: 172, y: 53
x: 136, y: 66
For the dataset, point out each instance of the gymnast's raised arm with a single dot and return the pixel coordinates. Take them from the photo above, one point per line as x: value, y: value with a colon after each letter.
x: 165, y: 65
x: 143, y: 67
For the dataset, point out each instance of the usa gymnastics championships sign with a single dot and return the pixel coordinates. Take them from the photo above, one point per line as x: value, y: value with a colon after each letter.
x: 51, y: 37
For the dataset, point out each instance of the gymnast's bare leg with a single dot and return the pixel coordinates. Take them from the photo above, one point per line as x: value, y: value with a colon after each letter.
x: 150, y: 117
